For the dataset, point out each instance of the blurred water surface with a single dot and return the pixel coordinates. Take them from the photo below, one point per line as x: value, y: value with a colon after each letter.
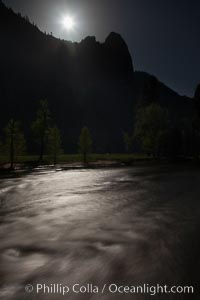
x: 126, y: 226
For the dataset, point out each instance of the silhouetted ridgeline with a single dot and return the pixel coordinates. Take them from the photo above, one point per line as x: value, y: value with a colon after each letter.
x: 87, y: 83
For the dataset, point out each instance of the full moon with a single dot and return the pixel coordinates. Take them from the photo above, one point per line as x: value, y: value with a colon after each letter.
x: 68, y: 23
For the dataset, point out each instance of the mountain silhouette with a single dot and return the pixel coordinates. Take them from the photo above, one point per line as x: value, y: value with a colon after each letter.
x: 86, y: 84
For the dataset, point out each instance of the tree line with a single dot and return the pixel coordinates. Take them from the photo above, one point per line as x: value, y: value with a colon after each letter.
x: 153, y: 133
x: 157, y: 135
x: 47, y: 136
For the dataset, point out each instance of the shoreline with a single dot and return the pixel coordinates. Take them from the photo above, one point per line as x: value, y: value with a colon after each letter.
x: 23, y: 168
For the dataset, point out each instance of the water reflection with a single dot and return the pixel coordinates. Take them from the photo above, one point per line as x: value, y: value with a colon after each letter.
x: 129, y: 226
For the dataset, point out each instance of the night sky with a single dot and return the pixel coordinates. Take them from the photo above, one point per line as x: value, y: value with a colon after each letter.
x: 163, y: 35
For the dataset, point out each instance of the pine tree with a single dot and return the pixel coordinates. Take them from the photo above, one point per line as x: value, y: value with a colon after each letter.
x: 85, y: 143
x: 151, y: 124
x: 41, y: 126
x: 15, y: 143
x: 54, y: 143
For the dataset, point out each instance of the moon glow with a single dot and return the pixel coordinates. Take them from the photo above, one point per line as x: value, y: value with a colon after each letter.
x: 68, y: 23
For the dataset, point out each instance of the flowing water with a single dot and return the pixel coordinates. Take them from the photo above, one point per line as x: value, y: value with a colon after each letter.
x: 127, y: 226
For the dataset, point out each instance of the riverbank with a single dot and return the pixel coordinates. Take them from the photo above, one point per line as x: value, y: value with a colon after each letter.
x: 121, y: 161
x: 74, y: 161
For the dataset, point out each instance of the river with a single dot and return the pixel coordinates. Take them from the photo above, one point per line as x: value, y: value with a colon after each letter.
x: 100, y: 227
